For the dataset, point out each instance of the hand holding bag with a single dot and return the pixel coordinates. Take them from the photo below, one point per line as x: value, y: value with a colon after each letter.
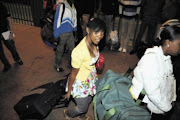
x: 100, y: 62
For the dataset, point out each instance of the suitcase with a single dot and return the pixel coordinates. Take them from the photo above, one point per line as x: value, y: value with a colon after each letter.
x: 38, y: 106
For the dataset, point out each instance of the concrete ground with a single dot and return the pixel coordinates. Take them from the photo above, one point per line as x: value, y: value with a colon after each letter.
x: 38, y: 69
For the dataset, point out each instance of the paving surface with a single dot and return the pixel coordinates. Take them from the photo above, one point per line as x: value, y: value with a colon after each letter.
x: 38, y: 69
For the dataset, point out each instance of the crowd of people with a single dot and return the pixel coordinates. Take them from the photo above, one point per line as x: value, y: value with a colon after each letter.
x: 154, y: 71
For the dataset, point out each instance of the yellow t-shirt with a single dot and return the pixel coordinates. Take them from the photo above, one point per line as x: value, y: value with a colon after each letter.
x: 80, y: 59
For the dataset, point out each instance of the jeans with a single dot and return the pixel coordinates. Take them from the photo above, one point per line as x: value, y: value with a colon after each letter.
x: 65, y: 39
x: 127, y: 29
x: 81, y: 108
x: 150, y: 33
x: 11, y: 46
x: 108, y: 21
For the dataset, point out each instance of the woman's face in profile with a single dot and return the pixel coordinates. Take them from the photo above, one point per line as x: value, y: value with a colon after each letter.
x: 174, y: 47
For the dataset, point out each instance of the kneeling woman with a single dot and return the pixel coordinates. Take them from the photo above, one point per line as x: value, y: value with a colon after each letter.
x: 154, y: 73
x: 81, y: 84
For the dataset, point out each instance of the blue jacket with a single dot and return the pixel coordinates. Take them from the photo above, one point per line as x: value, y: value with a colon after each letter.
x: 69, y: 20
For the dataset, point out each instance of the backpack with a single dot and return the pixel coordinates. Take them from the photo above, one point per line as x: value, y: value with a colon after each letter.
x: 113, y: 100
x: 47, y: 31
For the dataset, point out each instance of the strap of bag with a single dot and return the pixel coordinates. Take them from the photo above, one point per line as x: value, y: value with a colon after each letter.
x: 141, y: 96
x: 62, y: 11
x: 106, y: 87
x: 110, y: 113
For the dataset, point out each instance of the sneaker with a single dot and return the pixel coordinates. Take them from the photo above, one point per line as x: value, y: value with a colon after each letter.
x: 120, y: 49
x: 6, y: 68
x: 66, y: 116
x: 124, y: 50
x: 20, y: 62
x: 59, y: 69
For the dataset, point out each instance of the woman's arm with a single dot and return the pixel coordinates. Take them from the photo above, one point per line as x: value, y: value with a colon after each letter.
x: 71, y: 81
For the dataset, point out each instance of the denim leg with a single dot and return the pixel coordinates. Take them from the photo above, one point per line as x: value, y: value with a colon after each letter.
x: 130, y: 29
x: 140, y: 34
x: 2, y: 55
x: 124, y: 29
x: 108, y: 21
x: 81, y: 108
x: 71, y: 45
x: 60, y: 50
x: 11, y: 46
x: 108, y: 25
x: 152, y: 26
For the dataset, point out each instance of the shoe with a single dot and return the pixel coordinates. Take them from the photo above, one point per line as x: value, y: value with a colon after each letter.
x: 132, y: 52
x: 120, y: 49
x: 20, y: 62
x: 124, y: 50
x: 59, y: 69
x: 66, y: 116
x: 6, y: 68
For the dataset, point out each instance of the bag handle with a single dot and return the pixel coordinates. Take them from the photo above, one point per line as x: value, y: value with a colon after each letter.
x: 106, y: 87
x: 110, y: 113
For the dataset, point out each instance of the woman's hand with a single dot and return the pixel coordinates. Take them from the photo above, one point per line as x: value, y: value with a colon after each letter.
x: 67, y: 96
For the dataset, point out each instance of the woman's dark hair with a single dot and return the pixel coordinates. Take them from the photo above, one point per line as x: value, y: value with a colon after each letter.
x: 169, y: 33
x: 96, y: 24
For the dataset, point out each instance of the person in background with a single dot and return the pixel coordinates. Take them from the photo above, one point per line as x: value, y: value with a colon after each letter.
x: 129, y: 10
x: 7, y: 25
x: 64, y: 31
x: 154, y: 74
x: 107, y: 9
x: 151, y: 12
x: 85, y: 10
x: 81, y: 83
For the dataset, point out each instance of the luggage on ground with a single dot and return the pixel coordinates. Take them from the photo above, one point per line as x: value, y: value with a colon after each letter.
x: 38, y: 106
x: 113, y: 100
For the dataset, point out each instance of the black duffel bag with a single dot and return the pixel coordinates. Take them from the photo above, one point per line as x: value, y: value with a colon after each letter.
x: 38, y: 106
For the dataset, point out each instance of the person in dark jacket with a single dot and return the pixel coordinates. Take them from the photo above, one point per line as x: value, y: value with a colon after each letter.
x: 6, y: 28
x: 151, y: 14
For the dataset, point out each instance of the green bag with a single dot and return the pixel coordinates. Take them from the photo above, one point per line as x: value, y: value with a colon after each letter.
x: 113, y: 100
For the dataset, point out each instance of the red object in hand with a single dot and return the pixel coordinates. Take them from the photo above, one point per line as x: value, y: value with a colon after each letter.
x: 100, y: 62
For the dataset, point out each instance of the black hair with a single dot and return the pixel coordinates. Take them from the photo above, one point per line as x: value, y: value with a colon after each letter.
x: 169, y: 33
x: 96, y: 25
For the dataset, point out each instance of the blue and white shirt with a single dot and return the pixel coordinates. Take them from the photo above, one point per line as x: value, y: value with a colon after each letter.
x: 69, y: 20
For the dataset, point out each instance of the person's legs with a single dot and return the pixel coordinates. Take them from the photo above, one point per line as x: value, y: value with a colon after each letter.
x: 108, y: 21
x: 81, y: 108
x: 59, y: 52
x: 123, y: 34
x: 150, y: 34
x: 71, y: 45
x: 3, y: 58
x: 139, y: 37
x: 130, y: 29
x: 140, y: 34
x: 11, y: 46
x: 85, y: 20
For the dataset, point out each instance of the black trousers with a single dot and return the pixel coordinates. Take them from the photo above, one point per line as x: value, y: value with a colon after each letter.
x: 10, y: 45
x: 152, y: 26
